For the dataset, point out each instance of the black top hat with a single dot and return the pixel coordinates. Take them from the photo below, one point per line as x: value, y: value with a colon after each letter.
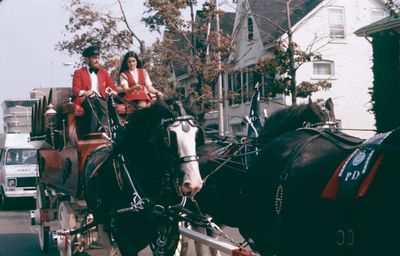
x: 91, y: 51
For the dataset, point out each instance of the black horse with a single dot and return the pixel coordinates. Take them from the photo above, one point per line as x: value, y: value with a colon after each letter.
x: 143, y: 177
x: 224, y: 166
x: 282, y: 191
x: 288, y: 213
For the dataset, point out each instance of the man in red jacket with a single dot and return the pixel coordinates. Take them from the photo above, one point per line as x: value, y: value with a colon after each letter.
x: 89, y: 88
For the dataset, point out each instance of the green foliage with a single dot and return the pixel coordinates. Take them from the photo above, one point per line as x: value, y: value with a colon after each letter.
x: 278, y: 68
x: 386, y: 89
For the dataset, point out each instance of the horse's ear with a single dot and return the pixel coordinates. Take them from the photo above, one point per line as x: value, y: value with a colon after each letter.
x: 190, y: 100
x: 166, y: 103
x: 195, y: 107
x: 309, y: 100
x: 329, y: 106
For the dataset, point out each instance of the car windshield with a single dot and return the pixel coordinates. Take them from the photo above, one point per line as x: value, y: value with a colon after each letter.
x: 21, y: 156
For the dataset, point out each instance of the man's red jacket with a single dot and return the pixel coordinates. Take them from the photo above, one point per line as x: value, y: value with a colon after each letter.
x: 81, y: 81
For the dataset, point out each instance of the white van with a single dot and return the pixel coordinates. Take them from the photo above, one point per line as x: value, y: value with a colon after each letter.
x: 18, y: 167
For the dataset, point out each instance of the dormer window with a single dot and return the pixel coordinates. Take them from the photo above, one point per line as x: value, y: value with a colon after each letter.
x: 250, y: 28
x: 336, y: 23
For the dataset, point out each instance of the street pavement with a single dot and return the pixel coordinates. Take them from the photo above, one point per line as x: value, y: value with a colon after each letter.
x: 19, y: 238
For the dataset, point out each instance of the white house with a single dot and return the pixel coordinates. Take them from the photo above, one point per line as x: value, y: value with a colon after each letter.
x: 328, y: 27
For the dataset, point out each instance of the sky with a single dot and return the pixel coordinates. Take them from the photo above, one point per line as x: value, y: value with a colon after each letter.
x: 29, y: 31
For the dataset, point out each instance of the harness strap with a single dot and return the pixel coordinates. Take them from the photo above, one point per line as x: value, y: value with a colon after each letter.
x: 174, y: 119
x: 222, y: 164
x: 330, y: 136
x: 282, y: 185
x: 187, y: 159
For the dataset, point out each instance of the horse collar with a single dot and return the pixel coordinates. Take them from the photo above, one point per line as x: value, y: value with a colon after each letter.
x: 140, y: 201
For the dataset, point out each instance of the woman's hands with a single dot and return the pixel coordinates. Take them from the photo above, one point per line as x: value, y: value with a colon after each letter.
x: 134, y: 88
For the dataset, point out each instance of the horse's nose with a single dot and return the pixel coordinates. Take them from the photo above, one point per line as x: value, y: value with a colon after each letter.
x: 191, y: 188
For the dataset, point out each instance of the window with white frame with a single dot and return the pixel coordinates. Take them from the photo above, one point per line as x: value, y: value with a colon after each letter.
x: 336, y: 23
x: 324, y: 68
x: 377, y: 14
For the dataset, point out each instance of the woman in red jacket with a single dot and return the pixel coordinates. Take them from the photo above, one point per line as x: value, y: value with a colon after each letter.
x: 135, y: 81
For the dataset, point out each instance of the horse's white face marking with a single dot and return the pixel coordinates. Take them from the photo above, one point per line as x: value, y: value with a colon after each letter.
x: 186, y: 145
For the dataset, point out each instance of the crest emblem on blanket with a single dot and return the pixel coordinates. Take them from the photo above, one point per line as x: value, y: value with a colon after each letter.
x: 359, y: 158
x: 354, y: 175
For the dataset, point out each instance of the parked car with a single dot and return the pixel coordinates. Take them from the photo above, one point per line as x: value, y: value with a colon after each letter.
x: 18, y: 167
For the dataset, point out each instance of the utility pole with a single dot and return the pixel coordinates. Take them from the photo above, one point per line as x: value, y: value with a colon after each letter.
x: 221, y: 130
x: 292, y: 71
x: 190, y: 2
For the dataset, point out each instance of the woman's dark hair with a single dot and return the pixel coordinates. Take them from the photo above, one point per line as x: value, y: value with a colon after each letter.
x: 124, y: 64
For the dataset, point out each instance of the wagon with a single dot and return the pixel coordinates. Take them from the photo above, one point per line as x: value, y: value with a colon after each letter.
x: 61, y: 210
x: 59, y: 198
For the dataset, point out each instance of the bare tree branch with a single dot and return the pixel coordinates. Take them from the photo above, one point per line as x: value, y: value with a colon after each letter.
x: 125, y: 20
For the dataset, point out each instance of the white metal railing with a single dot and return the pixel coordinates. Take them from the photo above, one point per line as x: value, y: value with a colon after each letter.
x: 221, y: 246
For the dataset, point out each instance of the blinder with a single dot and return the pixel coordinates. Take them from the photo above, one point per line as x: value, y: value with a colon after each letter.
x: 186, y: 122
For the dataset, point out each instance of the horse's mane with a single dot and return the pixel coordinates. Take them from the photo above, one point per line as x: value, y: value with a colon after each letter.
x: 143, y: 124
x: 289, y: 119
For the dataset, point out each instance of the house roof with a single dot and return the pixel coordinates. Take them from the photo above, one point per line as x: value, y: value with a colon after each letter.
x: 271, y: 16
x: 389, y: 23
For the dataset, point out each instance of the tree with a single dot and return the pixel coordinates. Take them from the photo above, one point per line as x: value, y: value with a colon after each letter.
x: 286, y: 60
x: 89, y: 26
x: 279, y: 67
x: 113, y: 33
x: 385, y: 90
x: 198, y: 43
x: 156, y: 61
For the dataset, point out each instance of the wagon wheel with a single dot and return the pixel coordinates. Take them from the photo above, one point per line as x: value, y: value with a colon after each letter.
x: 42, y: 202
x: 67, y: 220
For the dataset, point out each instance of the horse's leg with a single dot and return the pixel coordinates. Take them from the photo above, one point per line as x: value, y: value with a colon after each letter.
x: 105, y: 239
x: 125, y: 246
x: 213, y: 252
x: 200, y: 248
x: 183, y: 244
